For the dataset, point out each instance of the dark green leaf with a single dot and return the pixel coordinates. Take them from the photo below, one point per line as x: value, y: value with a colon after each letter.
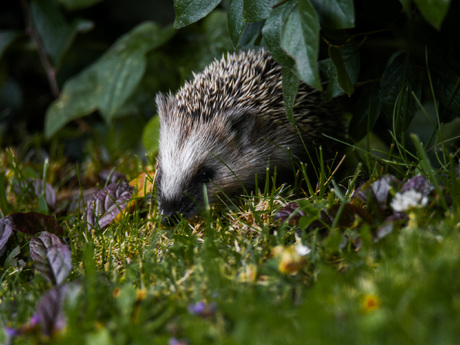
x: 151, y: 135
x: 251, y: 36
x: 399, y: 81
x: 406, y: 5
x: 55, y: 33
x: 335, y: 14
x: 108, y: 83
x: 365, y: 115
x: 300, y: 39
x: 78, y: 4
x: 257, y: 10
x: 121, y: 73
x: 236, y: 23
x: 290, y: 88
x: 6, y: 38
x: 190, y: 11
x: 343, y: 78
x: 447, y: 85
x: 272, y: 32
x: 434, y: 12
x: 345, y: 70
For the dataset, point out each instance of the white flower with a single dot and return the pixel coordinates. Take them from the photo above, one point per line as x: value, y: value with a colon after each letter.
x: 408, y: 199
x: 301, y: 249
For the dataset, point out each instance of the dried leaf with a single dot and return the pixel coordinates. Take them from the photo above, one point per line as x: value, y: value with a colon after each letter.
x: 107, y: 204
x: 52, y: 257
x: 143, y: 185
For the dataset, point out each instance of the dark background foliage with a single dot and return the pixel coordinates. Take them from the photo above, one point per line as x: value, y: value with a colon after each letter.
x: 73, y: 71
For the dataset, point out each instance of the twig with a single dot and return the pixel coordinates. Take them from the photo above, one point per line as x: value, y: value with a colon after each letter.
x: 46, y: 63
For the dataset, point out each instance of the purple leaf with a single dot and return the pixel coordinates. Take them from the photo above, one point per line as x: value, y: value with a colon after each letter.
x: 52, y: 257
x: 50, y: 311
x: 112, y: 176
x: 286, y: 212
x: 381, y: 190
x: 419, y: 184
x: 349, y: 214
x: 32, y: 223
x: 50, y: 193
x: 107, y: 204
x: 5, y: 231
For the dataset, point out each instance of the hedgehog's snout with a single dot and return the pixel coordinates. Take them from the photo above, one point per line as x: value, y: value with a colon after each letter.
x: 173, y: 209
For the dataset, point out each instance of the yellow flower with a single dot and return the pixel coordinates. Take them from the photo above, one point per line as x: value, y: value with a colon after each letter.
x: 290, y: 259
x: 370, y: 303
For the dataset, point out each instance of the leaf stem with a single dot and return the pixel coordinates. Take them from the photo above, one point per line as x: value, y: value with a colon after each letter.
x: 45, y: 61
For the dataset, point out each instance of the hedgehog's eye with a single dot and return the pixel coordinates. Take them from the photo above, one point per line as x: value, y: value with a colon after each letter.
x: 204, y: 175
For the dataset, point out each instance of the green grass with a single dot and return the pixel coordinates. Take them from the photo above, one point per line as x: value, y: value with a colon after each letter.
x: 136, y: 280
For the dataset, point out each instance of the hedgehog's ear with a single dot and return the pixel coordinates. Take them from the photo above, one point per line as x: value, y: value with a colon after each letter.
x: 242, y: 123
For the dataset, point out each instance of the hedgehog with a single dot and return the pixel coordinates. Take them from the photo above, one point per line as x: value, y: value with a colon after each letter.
x: 228, y: 125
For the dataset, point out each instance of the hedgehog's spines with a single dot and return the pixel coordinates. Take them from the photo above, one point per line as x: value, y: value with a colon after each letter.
x: 234, y: 111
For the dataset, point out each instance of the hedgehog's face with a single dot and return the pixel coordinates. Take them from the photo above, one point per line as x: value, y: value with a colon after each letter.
x: 195, y: 153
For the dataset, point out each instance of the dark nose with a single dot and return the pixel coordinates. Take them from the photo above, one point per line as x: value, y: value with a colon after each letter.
x: 170, y: 220
x: 174, y: 210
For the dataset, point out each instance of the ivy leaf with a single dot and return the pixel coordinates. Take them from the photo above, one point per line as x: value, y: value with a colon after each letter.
x: 236, y: 24
x: 52, y: 257
x: 272, y: 32
x: 190, y: 11
x: 107, y: 204
x: 300, y: 39
x: 257, y: 10
x: 110, y: 81
x: 335, y: 14
x: 434, y: 12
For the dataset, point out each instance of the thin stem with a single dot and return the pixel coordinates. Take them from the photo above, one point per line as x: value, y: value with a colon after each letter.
x: 46, y: 63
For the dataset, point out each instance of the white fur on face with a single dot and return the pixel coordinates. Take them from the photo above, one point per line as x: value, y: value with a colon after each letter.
x: 179, y: 158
